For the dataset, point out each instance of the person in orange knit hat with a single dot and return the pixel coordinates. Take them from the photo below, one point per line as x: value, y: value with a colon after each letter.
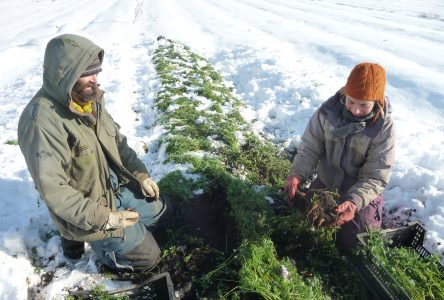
x: 349, y: 144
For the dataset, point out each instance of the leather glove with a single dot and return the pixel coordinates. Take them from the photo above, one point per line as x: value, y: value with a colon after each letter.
x: 121, y: 219
x: 291, y: 187
x: 151, y: 188
x: 346, y: 212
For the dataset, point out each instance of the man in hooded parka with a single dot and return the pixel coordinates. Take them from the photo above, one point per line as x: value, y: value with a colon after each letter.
x: 93, y: 184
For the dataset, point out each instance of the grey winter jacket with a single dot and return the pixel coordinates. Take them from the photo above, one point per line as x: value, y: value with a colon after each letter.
x: 357, y: 166
x: 68, y: 154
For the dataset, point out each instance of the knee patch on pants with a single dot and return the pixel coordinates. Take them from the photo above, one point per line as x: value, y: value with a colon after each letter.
x: 144, y: 256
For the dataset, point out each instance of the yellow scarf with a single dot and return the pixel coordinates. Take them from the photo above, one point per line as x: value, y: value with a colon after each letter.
x: 87, y: 108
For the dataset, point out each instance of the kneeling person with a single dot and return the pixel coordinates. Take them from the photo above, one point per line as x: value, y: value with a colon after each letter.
x: 350, y: 143
x: 95, y: 187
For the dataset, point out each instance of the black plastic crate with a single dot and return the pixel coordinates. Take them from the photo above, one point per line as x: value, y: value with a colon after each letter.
x: 157, y: 287
x: 377, y: 279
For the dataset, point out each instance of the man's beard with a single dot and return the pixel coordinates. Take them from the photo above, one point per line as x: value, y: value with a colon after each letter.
x: 84, y: 94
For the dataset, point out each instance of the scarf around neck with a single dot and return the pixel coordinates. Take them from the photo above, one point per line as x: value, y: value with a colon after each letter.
x: 352, y: 124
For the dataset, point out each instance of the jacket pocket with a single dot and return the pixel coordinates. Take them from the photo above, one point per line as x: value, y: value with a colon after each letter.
x: 83, y: 169
x: 82, y: 155
x: 109, y: 127
x: 109, y: 138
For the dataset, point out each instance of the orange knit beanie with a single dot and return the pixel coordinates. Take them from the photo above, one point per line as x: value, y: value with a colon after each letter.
x: 366, y: 82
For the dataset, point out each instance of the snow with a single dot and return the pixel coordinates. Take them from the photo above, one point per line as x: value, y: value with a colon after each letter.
x: 283, y: 57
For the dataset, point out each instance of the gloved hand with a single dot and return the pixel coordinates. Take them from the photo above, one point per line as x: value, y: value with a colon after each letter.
x: 291, y: 188
x: 121, y: 219
x: 346, y: 212
x: 151, y: 188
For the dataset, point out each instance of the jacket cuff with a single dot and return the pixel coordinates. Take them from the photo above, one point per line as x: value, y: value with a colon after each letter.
x: 356, y: 200
x: 299, y: 176
x: 103, y: 218
x: 141, y: 176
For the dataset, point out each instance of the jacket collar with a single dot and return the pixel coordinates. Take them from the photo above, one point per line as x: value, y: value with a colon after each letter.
x: 333, y: 111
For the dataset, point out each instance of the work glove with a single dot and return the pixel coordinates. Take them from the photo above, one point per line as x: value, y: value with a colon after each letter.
x: 291, y: 187
x: 121, y: 219
x: 346, y: 212
x: 151, y: 188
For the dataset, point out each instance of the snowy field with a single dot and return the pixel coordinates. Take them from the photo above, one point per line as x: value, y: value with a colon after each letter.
x: 284, y: 58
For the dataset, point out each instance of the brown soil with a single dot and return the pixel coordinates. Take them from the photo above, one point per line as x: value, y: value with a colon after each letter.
x: 197, y: 239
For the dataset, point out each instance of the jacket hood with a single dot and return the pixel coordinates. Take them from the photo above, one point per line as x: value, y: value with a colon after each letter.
x: 66, y: 57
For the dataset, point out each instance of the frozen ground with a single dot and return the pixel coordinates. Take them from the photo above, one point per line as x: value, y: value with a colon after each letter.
x: 284, y: 58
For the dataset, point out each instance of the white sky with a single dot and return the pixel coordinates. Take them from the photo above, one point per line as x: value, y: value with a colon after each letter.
x: 284, y: 58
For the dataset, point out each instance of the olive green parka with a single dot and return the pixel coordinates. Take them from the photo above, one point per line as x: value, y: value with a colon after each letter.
x: 68, y: 153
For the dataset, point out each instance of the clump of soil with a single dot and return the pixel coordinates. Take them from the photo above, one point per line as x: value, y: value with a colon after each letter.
x: 322, y: 208
x: 45, y: 279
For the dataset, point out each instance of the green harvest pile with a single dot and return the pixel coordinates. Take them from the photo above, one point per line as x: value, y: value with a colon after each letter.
x: 418, y: 277
x: 207, y: 133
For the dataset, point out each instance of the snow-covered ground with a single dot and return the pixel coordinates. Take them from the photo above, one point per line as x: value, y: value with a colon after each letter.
x: 284, y: 58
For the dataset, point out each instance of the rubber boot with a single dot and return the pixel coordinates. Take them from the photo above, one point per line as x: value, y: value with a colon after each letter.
x: 72, y: 249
